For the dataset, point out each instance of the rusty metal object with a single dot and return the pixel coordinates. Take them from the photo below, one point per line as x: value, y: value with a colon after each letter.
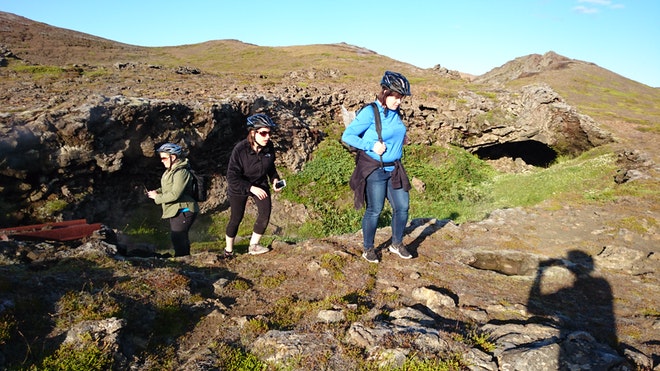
x: 57, y: 231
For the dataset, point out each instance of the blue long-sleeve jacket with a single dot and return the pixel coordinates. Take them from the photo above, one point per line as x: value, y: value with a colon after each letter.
x: 361, y: 133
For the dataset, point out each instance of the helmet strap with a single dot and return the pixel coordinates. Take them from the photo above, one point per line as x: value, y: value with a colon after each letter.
x: 382, y: 98
x: 171, y: 161
x: 253, y: 140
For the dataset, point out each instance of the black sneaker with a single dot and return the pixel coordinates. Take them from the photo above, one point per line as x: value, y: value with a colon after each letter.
x: 370, y: 256
x: 400, y: 250
x: 228, y: 255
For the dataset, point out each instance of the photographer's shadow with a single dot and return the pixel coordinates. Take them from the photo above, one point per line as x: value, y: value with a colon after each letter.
x: 586, y: 305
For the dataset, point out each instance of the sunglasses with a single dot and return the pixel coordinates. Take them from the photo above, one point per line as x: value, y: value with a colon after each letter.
x: 264, y: 133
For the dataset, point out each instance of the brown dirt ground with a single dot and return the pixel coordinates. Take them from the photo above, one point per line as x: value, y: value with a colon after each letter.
x: 548, y: 230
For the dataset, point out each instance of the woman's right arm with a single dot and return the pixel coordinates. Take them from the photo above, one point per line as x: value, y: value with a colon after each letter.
x: 353, y: 134
x: 235, y: 178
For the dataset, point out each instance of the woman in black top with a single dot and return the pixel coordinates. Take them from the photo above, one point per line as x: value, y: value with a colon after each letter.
x: 250, y: 173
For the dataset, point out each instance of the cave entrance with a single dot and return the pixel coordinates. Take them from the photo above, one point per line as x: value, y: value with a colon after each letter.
x: 532, y: 152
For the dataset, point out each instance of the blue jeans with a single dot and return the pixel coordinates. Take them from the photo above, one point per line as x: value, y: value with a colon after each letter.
x: 379, y: 186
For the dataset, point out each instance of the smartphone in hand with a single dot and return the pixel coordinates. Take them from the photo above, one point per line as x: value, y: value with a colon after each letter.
x: 280, y: 184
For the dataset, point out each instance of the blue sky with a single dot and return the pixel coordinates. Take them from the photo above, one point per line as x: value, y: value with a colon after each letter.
x: 472, y: 36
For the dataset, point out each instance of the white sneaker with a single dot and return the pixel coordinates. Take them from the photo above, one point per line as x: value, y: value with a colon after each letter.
x: 400, y: 250
x: 257, y: 249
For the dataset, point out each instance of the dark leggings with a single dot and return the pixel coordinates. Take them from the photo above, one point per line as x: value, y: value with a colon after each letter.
x: 237, y: 205
x: 179, y: 226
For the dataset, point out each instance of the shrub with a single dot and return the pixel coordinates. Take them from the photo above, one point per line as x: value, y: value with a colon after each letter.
x: 7, y: 325
x: 234, y: 359
x: 334, y: 264
x: 89, y: 357
x: 582, y: 179
x: 323, y: 187
x: 273, y: 281
x: 78, y: 306
x: 452, y: 178
x: 455, y: 181
x: 450, y: 363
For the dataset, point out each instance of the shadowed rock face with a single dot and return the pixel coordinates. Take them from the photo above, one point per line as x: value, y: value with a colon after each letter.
x: 96, y: 146
x: 530, y: 151
x: 105, y: 147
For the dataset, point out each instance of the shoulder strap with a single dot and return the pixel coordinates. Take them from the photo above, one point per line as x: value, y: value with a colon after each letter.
x: 379, y: 125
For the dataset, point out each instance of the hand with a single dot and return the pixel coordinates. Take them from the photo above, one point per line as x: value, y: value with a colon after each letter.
x: 275, y: 186
x: 260, y: 193
x: 152, y: 194
x: 379, y: 148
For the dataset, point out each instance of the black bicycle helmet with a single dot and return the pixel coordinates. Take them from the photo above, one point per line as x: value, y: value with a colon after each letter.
x: 170, y: 149
x: 395, y: 82
x: 260, y: 120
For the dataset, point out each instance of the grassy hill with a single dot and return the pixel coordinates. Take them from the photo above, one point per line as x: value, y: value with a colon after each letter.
x: 598, y: 92
x: 204, y: 309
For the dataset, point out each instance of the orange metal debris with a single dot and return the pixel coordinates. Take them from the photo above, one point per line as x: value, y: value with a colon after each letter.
x: 58, y: 231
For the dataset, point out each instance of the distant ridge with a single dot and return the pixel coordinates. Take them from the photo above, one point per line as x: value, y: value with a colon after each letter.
x: 526, y: 66
x: 40, y: 43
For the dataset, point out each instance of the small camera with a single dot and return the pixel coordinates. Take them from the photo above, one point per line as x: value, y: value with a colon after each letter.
x: 280, y: 184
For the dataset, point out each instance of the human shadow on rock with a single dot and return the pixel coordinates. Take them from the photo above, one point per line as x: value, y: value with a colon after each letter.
x: 585, y: 305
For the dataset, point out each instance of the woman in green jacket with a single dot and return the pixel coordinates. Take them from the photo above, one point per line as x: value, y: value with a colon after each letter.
x: 175, y: 196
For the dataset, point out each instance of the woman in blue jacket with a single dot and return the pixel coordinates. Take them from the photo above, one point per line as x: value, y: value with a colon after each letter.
x: 378, y: 172
x: 250, y: 173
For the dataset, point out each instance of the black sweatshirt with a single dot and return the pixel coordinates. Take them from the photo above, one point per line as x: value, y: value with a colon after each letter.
x: 249, y: 168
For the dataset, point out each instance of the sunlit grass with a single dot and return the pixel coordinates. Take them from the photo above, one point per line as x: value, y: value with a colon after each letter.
x: 457, y: 185
x: 39, y: 70
x: 578, y: 179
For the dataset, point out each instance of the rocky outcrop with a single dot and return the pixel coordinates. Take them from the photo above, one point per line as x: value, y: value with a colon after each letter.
x: 88, y: 151
x: 105, y: 146
x: 86, y: 148
x: 537, y: 114
x: 534, y: 124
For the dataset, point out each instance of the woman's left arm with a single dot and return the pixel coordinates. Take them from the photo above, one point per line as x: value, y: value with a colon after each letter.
x: 176, y: 188
x: 272, y: 171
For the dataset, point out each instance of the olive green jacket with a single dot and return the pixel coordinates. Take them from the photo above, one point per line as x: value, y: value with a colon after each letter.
x: 175, y: 192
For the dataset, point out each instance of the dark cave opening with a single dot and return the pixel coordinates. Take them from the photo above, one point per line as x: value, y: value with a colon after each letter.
x: 532, y: 152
